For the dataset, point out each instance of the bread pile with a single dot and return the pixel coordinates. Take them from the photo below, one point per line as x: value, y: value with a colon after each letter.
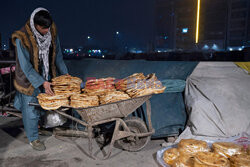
x: 196, y: 153
x: 129, y: 82
x: 100, y: 86
x: 191, y: 146
x: 98, y: 91
x: 114, y: 96
x: 83, y: 101
x: 138, y: 85
x: 240, y: 160
x: 49, y: 102
x: 66, y: 85
x: 227, y: 149
x: 210, y: 159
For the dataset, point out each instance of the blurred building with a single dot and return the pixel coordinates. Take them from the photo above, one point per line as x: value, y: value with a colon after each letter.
x: 238, y: 23
x: 165, y: 24
x: 185, y: 11
x: 213, y: 24
x: 224, y: 24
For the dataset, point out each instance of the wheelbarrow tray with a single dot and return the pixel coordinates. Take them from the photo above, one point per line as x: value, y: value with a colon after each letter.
x: 118, y: 109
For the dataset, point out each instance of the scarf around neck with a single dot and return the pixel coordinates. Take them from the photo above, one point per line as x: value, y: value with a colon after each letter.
x: 43, y: 42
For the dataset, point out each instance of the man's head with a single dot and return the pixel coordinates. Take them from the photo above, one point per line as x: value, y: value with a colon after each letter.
x: 42, y: 21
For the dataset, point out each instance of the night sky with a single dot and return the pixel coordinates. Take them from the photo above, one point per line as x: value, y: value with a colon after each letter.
x: 77, y: 19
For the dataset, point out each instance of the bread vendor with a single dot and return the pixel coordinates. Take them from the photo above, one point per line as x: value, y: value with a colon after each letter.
x: 38, y: 59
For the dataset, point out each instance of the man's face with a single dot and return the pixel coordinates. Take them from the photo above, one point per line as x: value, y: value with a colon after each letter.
x: 41, y: 29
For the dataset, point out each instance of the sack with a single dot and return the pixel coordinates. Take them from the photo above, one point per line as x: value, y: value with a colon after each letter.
x: 53, y: 119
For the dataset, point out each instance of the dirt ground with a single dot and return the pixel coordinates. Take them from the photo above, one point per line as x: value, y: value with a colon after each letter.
x: 64, y: 151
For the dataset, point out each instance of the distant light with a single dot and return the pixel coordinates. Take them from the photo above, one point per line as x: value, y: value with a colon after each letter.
x: 77, y: 54
x: 159, y: 51
x: 184, y: 30
x: 231, y: 49
x: 71, y: 50
x: 166, y: 37
x: 88, y: 37
x: 215, y: 47
x: 89, y: 55
x: 103, y: 56
x: 205, y: 47
x: 117, y: 33
x: 240, y: 49
x: 197, y: 22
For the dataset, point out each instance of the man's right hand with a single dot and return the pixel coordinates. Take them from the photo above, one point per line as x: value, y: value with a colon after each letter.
x: 47, y: 88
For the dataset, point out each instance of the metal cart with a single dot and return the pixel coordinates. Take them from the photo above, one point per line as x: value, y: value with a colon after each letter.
x: 130, y: 133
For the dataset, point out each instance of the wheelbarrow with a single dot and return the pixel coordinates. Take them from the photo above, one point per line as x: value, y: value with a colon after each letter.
x: 130, y: 133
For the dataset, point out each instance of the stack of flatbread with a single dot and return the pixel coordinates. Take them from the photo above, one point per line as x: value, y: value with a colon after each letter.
x: 114, y: 96
x: 227, y: 149
x: 192, y: 146
x: 210, y: 159
x: 184, y: 154
x: 83, y: 101
x: 66, y: 85
x: 100, y: 86
x: 129, y: 82
x: 49, y: 102
x: 196, y: 153
x: 138, y: 85
x: 240, y: 160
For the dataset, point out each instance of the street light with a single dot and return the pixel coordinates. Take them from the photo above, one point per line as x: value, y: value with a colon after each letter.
x: 117, y: 33
x: 88, y: 37
x: 197, y: 22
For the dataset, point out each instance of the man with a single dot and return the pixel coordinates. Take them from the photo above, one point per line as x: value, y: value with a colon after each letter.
x: 38, y: 59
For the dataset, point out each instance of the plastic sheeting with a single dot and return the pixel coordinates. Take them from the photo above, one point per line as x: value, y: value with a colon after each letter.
x: 217, y: 97
x: 168, y: 111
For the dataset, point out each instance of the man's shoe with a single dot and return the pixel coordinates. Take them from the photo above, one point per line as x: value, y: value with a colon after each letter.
x: 37, y: 145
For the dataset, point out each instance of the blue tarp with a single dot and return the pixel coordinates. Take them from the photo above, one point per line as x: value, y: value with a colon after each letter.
x: 168, y: 111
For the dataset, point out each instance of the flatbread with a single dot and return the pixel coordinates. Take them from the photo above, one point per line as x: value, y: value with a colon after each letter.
x: 227, y: 149
x: 240, y: 160
x: 113, y: 96
x: 184, y: 160
x: 210, y: 159
x: 192, y: 146
x: 170, y: 155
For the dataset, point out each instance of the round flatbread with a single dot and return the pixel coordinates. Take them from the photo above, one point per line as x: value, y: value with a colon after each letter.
x: 240, y: 160
x: 192, y: 146
x: 184, y: 160
x: 227, y: 149
x: 211, y: 159
x: 170, y: 155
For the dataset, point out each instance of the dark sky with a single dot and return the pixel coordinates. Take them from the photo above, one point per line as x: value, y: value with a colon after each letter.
x: 76, y: 19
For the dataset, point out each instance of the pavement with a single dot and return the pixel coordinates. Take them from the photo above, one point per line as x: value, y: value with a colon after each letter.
x: 65, y: 151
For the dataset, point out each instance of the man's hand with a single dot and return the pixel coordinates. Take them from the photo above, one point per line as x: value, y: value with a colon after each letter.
x: 47, y: 88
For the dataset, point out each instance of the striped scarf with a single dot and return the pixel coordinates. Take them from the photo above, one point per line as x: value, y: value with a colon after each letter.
x: 43, y: 42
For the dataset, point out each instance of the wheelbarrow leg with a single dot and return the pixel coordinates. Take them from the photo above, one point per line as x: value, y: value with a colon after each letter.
x: 148, y: 106
x: 114, y: 138
x: 90, y: 137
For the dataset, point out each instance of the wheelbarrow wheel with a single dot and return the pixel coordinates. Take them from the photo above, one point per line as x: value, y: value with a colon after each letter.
x: 136, y: 125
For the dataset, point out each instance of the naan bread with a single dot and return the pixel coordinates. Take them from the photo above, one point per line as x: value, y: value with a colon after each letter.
x: 170, y: 155
x: 227, y: 149
x: 192, y: 146
x: 210, y: 159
